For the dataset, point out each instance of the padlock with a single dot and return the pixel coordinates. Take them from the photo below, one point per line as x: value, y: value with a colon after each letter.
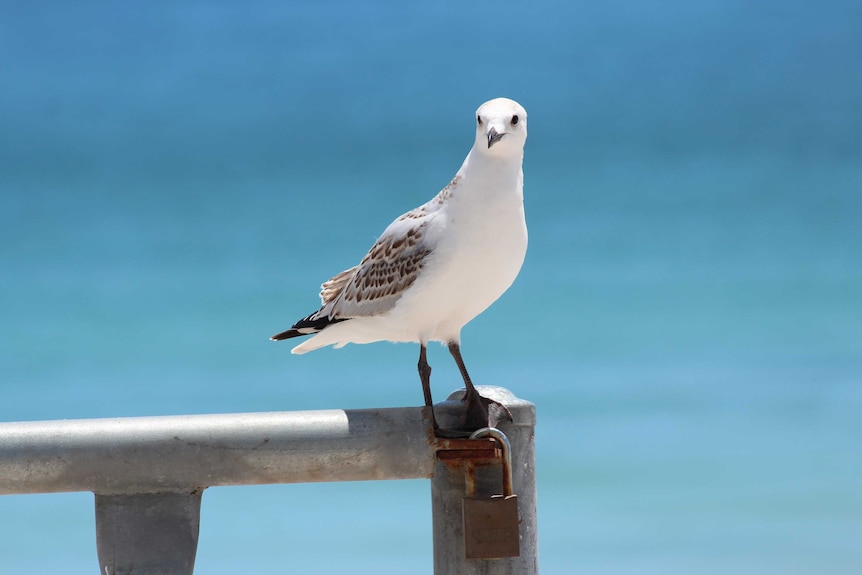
x: 491, y: 524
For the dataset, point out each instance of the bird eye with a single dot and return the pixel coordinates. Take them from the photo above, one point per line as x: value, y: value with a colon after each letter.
x: 515, y: 119
x: 479, y: 119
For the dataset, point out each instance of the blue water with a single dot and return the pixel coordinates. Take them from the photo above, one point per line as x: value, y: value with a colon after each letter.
x: 176, y: 179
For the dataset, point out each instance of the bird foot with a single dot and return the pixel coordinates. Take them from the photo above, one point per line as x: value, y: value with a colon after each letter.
x: 477, y: 412
x: 451, y: 433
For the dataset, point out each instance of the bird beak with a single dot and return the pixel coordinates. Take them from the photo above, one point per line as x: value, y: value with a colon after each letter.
x: 494, y: 136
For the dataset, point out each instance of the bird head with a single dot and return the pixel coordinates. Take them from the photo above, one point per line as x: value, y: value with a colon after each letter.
x: 501, y: 127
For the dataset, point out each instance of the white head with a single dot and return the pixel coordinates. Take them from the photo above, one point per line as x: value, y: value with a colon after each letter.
x: 501, y: 127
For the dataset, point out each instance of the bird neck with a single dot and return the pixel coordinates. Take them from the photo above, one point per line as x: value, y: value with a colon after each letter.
x: 494, y: 182
x: 494, y: 169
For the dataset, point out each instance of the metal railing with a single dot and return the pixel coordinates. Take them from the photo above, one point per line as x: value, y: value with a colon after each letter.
x: 148, y: 474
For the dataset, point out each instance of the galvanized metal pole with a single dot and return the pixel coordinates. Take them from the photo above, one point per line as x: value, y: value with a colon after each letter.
x: 183, y: 453
x: 147, y: 533
x: 448, y: 488
x: 148, y: 473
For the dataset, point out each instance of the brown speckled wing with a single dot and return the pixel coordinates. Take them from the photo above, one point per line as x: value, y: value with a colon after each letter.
x: 373, y: 287
x: 332, y: 287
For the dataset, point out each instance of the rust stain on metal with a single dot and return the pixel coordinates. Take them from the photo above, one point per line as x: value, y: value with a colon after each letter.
x: 469, y: 478
x: 454, y: 452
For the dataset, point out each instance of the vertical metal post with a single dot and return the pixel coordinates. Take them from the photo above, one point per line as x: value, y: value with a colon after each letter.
x: 147, y: 533
x: 448, y: 487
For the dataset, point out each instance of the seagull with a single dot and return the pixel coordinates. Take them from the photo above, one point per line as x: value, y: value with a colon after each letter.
x: 438, y: 266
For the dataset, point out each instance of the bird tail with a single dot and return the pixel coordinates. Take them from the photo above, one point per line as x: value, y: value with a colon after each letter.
x: 308, y: 325
x: 289, y: 334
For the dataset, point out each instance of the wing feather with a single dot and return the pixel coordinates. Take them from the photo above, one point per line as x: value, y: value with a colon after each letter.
x: 388, y: 269
x: 333, y: 287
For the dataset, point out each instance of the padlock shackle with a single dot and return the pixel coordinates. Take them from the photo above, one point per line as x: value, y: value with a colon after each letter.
x: 506, y: 451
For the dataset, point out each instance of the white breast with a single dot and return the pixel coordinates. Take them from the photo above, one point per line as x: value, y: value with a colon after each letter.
x: 478, y: 255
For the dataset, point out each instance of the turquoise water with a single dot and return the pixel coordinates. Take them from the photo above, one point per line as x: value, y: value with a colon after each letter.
x: 177, y: 180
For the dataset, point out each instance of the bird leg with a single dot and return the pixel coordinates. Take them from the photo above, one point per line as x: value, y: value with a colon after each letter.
x: 425, y: 378
x: 425, y: 375
x: 478, y: 411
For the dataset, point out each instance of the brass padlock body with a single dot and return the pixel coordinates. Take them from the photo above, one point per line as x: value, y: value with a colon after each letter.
x: 491, y: 527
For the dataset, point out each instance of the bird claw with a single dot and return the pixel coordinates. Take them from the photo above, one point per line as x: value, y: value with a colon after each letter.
x: 496, y: 412
x: 451, y: 433
x: 477, y: 412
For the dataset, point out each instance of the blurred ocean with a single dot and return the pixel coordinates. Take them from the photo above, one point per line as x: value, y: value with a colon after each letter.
x: 177, y: 179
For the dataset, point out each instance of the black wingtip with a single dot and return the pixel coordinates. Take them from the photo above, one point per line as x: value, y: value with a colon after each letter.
x: 306, y: 326
x: 286, y: 335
